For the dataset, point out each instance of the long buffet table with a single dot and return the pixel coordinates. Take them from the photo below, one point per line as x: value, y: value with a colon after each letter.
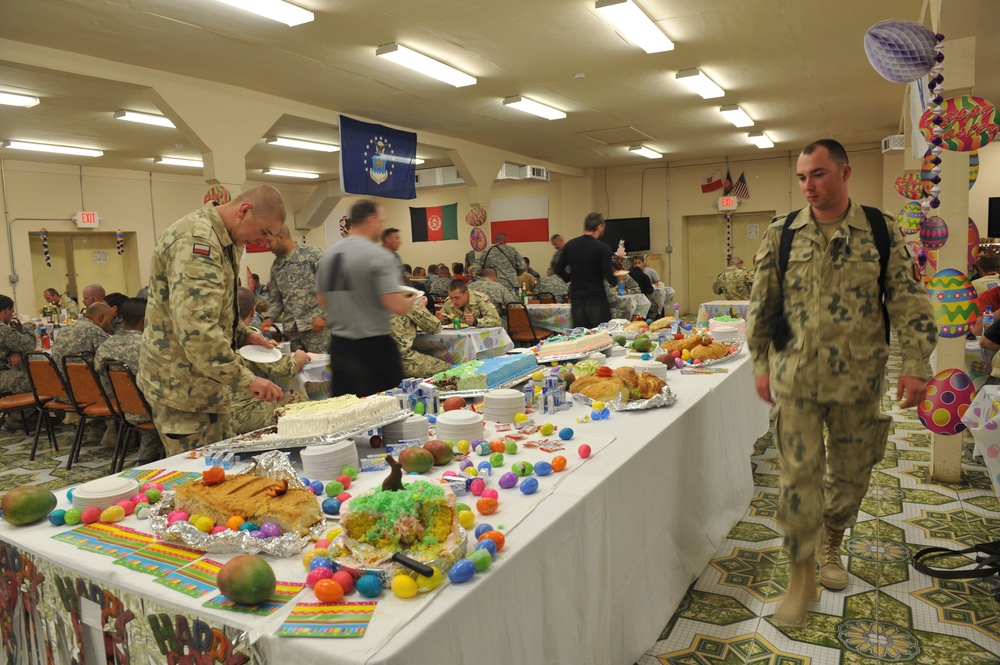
x: 594, y: 566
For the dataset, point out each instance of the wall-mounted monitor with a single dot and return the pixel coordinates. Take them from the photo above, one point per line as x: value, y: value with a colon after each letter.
x: 633, y: 230
x: 993, y: 222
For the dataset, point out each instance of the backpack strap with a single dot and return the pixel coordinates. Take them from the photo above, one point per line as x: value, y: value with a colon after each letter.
x: 986, y: 566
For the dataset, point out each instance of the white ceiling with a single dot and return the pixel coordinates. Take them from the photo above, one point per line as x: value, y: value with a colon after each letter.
x: 796, y: 66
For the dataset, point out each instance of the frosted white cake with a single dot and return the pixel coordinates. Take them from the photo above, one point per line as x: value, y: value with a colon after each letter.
x: 332, y: 415
x: 728, y: 322
x: 579, y: 343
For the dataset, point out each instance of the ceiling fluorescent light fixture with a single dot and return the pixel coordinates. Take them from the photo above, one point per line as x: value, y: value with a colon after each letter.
x: 13, y: 99
x: 48, y: 147
x: 179, y: 161
x: 533, y: 107
x: 423, y: 64
x: 644, y: 151
x: 276, y: 10
x: 302, y: 145
x: 736, y: 115
x: 634, y: 25
x: 289, y: 174
x: 760, y: 139
x: 700, y: 84
x: 144, y: 118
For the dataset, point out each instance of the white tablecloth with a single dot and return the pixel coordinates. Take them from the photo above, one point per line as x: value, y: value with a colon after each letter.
x: 983, y: 420
x: 459, y: 346
x: 591, y: 574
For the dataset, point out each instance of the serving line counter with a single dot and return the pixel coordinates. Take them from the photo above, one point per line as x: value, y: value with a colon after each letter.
x: 593, y: 567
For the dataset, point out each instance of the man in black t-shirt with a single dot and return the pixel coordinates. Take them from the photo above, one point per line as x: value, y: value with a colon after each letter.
x: 585, y: 262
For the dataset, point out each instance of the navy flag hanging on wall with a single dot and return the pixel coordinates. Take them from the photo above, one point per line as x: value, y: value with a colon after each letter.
x: 376, y: 160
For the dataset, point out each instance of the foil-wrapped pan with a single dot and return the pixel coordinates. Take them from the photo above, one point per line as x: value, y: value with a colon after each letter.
x: 273, y: 464
x: 267, y: 438
x: 665, y: 398
x: 479, y: 393
x: 735, y: 346
x: 361, y: 559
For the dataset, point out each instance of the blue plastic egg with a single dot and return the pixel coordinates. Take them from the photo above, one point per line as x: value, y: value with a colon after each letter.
x: 369, y: 586
x: 462, y: 571
x: 483, y: 528
x: 543, y: 468
x: 57, y: 517
x: 306, y: 481
x: 488, y: 545
x: 69, y: 494
x: 249, y: 526
x: 485, y: 469
x: 529, y: 485
x: 646, y: 356
x: 317, y: 487
x: 595, y: 415
x: 606, y: 413
x: 566, y: 433
x: 322, y: 562
x: 483, y: 449
x: 432, y: 419
x: 331, y: 506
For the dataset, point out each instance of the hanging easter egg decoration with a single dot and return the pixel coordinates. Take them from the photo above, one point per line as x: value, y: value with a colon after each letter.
x: 966, y: 123
x: 948, y: 397
x: 954, y: 302
x: 909, y: 186
x: 909, y: 218
x: 900, y: 51
x: 476, y: 215
x: 44, y: 235
x: 477, y: 239
x: 219, y: 194
x: 973, y: 167
x: 928, y: 175
x: 973, y: 243
x: 120, y: 242
x: 933, y: 232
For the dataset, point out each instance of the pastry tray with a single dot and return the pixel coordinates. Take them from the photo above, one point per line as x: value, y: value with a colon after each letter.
x: 267, y: 439
x: 479, y: 393
x: 665, y: 398
x: 572, y: 356
x: 736, y: 346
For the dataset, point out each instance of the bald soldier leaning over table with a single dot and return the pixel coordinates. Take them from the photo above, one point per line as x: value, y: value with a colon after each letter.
x: 188, y: 362
x: 404, y: 328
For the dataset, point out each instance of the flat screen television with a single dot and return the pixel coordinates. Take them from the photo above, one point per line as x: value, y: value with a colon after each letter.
x: 633, y: 230
x: 993, y: 221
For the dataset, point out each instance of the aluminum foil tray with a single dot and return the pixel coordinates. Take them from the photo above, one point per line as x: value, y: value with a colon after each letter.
x: 736, y: 346
x: 665, y: 398
x: 386, y: 570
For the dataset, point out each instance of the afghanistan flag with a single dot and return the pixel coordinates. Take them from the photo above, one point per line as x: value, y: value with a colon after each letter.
x: 436, y: 223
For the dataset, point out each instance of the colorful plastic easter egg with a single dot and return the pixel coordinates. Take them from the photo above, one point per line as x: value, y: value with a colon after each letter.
x: 344, y: 579
x: 487, y: 545
x: 73, y: 518
x: 153, y: 495
x: 496, y: 536
x: 566, y: 433
x: 909, y: 217
x: 127, y: 506
x: 476, y: 486
x: 142, y: 510
x: 462, y: 571
x: 481, y: 559
x: 490, y: 493
x: 485, y: 469
x: 333, y: 488
x: 508, y: 480
x: 543, y: 468
x: 328, y: 591
x: 584, y: 451
x: 529, y: 486
x: 466, y: 519
x: 510, y: 447
x: 973, y: 243
x: 404, y: 586
x: 57, y: 517
x: 151, y: 485
x: 321, y: 562
x: 112, y: 514
x: 483, y: 449
x: 215, y: 529
x: 933, y: 232
x: 140, y: 498
x: 953, y: 302
x: 432, y: 582
x: 330, y: 506
x: 487, y: 506
x: 522, y: 468
x: 317, y: 574
x: 558, y: 463
x: 496, y: 460
x: 948, y: 396
x: 481, y: 529
x: 900, y: 51
x: 203, y: 523
x: 369, y: 586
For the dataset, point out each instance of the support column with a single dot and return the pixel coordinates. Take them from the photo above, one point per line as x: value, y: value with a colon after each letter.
x: 479, y: 167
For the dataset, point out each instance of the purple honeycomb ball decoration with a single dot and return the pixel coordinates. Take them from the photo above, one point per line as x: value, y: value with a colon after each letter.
x: 900, y: 51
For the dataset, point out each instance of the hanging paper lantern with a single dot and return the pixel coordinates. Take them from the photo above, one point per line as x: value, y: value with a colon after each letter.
x: 219, y: 194
x: 963, y: 123
x: 909, y: 186
x: 935, y: 129
x: 44, y: 235
x: 949, y: 395
x: 973, y: 167
x: 477, y: 239
x: 933, y: 232
x: 901, y: 51
x: 120, y: 241
x: 909, y: 218
x: 476, y: 215
x: 973, y: 243
x: 953, y: 301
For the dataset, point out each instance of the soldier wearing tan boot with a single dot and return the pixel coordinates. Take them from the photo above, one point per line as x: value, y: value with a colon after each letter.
x: 829, y: 279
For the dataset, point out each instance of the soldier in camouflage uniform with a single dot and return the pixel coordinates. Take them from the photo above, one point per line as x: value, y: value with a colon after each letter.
x: 558, y: 242
x: 503, y: 258
x: 404, y: 328
x: 13, y: 343
x: 498, y: 294
x: 553, y: 283
x: 830, y: 372
x: 735, y: 282
x: 61, y: 302
x: 188, y: 362
x: 83, y: 336
x: 474, y: 309
x: 291, y: 294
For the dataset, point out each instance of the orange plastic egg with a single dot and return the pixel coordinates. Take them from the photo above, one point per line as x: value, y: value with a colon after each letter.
x: 487, y: 506
x: 558, y: 463
x: 496, y: 537
x: 498, y: 446
x: 234, y: 522
x: 328, y: 591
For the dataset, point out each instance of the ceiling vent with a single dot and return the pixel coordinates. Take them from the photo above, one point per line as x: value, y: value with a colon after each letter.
x: 530, y: 172
x: 441, y: 176
x: 509, y: 172
x: 893, y: 143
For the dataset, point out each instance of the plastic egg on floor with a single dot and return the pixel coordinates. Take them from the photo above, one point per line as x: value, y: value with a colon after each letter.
x: 953, y: 302
x: 908, y: 219
x: 933, y: 232
x: 948, y: 396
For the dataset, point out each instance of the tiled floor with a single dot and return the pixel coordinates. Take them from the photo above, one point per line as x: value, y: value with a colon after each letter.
x: 889, y: 613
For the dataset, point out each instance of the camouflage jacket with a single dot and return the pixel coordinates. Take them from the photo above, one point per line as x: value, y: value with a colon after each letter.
x: 403, y: 329
x: 122, y: 347
x: 837, y: 351
x: 188, y: 359
x: 553, y: 284
x: 497, y: 292
x: 506, y: 261
x: 734, y: 283
x: 483, y: 311
x: 12, y: 341
x: 243, y: 400
x: 67, y: 303
x: 291, y: 291
x: 81, y: 337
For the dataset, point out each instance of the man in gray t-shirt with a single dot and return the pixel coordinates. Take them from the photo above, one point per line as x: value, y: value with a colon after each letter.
x: 357, y: 284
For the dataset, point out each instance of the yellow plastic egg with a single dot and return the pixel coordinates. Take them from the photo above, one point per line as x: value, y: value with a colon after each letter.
x: 598, y: 405
x: 462, y: 446
x: 538, y: 376
x: 310, y: 555
x: 404, y: 586
x: 466, y: 519
x: 520, y: 417
x: 204, y: 523
x: 472, y: 471
x: 538, y: 389
x: 333, y: 533
x: 547, y: 429
x: 113, y: 514
x: 432, y: 582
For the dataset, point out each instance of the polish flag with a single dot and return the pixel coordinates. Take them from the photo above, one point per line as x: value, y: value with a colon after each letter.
x: 521, y: 219
x: 712, y: 184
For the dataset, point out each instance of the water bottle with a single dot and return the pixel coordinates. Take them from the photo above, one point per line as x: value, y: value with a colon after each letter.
x: 621, y: 289
x: 987, y: 318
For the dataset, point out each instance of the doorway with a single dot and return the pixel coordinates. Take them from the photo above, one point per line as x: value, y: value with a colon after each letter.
x: 708, y: 249
x: 79, y: 259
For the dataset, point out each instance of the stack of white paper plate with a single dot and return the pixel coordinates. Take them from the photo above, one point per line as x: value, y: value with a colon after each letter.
x: 459, y: 424
x: 500, y: 406
x: 325, y: 462
x: 104, y: 492
x: 414, y: 427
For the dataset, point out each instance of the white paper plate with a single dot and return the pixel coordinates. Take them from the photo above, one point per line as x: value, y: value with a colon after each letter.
x: 258, y: 354
x: 410, y: 289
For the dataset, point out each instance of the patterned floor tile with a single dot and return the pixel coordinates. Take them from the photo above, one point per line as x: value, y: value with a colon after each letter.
x: 753, y: 571
x: 753, y: 532
x: 747, y: 648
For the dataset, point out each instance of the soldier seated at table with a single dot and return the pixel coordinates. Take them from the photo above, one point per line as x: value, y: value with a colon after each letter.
x: 498, y: 294
x: 83, y: 336
x: 14, y: 341
x: 470, y: 307
x: 554, y: 284
x: 404, y: 328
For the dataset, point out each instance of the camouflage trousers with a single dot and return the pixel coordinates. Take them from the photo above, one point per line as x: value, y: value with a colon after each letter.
x: 248, y: 415
x: 182, y: 431
x: 14, y: 381
x: 824, y: 484
x: 307, y: 341
x: 419, y: 365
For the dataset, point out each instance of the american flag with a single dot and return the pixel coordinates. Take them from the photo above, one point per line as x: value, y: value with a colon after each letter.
x: 740, y: 189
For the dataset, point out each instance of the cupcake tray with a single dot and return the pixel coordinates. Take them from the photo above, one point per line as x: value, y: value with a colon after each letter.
x: 572, y: 356
x: 267, y: 438
x: 665, y: 398
x: 444, y: 394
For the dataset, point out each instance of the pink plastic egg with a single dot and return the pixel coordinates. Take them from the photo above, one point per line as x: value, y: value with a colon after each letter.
x: 343, y: 496
x: 584, y: 451
x: 317, y: 574
x: 476, y: 486
x: 156, y: 486
x: 140, y: 498
x: 949, y: 395
x: 490, y: 493
x: 127, y: 506
x: 218, y: 529
x: 176, y: 516
x: 90, y: 515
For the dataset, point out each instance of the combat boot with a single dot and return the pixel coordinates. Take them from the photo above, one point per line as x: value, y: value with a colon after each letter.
x: 800, y: 592
x: 832, y: 573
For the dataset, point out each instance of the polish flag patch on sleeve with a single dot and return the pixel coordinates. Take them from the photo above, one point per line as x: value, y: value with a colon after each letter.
x: 203, y: 250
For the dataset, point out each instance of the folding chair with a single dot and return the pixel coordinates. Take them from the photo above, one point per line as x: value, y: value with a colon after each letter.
x: 23, y: 403
x: 88, y: 398
x: 129, y: 401
x: 46, y: 385
x: 519, y: 326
